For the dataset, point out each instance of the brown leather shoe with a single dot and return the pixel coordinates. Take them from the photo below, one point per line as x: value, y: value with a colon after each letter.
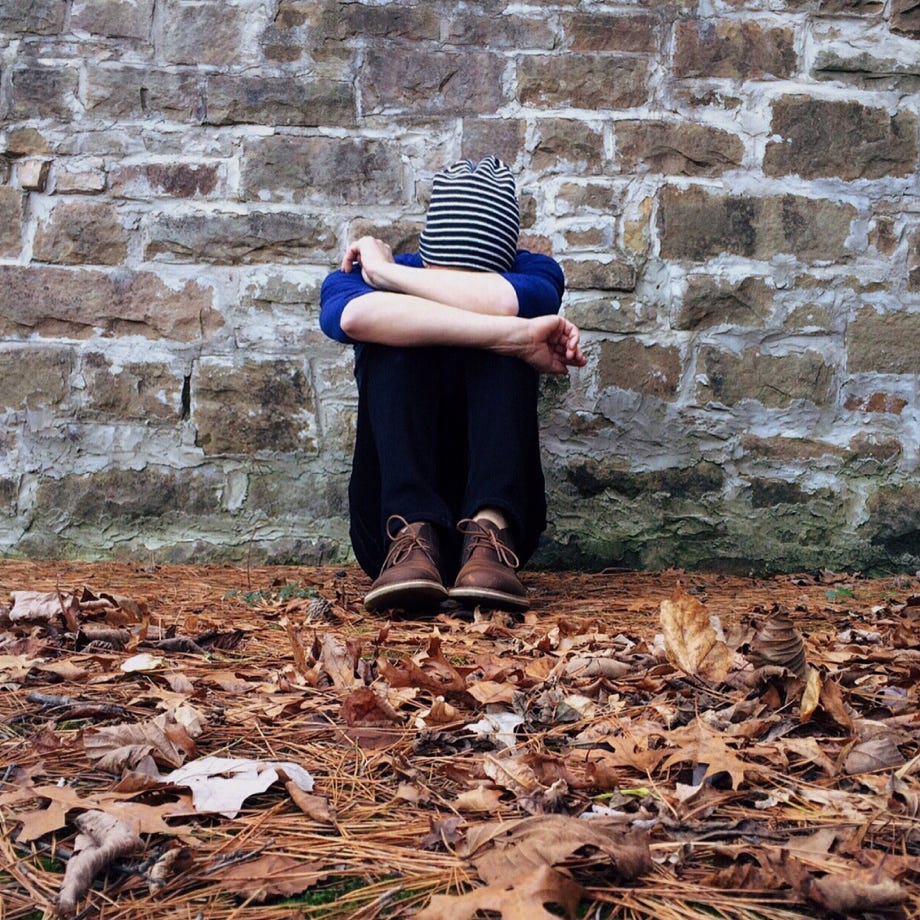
x: 410, y: 577
x: 488, y: 562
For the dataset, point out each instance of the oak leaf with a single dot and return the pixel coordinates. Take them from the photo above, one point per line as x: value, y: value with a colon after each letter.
x: 689, y: 639
x: 271, y: 875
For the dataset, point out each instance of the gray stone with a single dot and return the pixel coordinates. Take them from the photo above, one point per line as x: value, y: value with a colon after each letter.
x: 841, y: 139
x: 583, y: 81
x: 44, y: 17
x: 503, y: 137
x: 210, y: 33
x: 323, y: 169
x: 114, y: 18
x: 80, y: 233
x: 502, y: 30
x: 653, y: 370
x: 166, y: 180
x: 44, y: 91
x: 774, y: 381
x: 712, y: 302
x: 10, y: 223
x: 592, y: 475
x: 78, y: 303
x: 696, y: 225
x: 905, y: 17
x: 883, y: 343
x: 421, y: 81
x: 34, y: 378
x: 594, y: 275
x: 676, y: 148
x: 116, y: 91
x: 260, y: 406
x: 894, y: 518
x: 251, y: 237
x: 234, y: 99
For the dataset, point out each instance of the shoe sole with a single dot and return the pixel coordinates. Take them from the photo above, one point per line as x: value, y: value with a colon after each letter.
x: 488, y: 598
x: 409, y: 595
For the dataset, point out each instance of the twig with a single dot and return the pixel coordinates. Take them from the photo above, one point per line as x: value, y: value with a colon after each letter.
x: 235, y: 858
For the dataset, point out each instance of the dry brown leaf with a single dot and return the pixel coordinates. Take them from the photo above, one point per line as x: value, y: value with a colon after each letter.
x: 502, y: 851
x: 700, y: 746
x: 848, y: 896
x: 524, y: 898
x: 41, y: 606
x: 689, y: 639
x: 315, y: 807
x: 42, y: 821
x: 482, y: 799
x: 510, y: 773
x: 101, y: 840
x: 115, y: 748
x: 778, y: 642
x: 364, y: 706
x: 832, y: 703
x: 337, y: 661
x: 271, y: 875
x: 811, y: 695
x: 878, y: 752
x: 490, y: 691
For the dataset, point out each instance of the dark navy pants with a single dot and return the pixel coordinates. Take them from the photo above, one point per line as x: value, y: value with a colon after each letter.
x: 443, y: 432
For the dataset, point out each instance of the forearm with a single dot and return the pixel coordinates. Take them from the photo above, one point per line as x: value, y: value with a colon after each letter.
x: 389, y: 318
x: 475, y: 292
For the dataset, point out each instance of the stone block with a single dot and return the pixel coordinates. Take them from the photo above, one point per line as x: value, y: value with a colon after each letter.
x: 734, y: 49
x: 620, y: 31
x: 711, y: 301
x: 878, y: 401
x: 776, y: 381
x: 894, y: 517
x: 582, y: 81
x: 25, y: 142
x: 278, y: 101
x: 115, y: 498
x: 697, y: 225
x: 79, y: 233
x: 42, y: 17
x: 593, y: 475
x: 167, y: 180
x: 329, y: 170
x: 60, y: 302
x: 389, y: 21
x: 32, y: 174
x: 871, y: 65
x: 653, y: 370
x: 113, y: 18
x: 905, y: 17
x: 401, y: 235
x: 83, y: 176
x: 120, y: 92
x: 210, y: 33
x: 259, y: 406
x: 578, y: 197
x: 768, y: 493
x: 878, y: 450
x: 130, y: 391
x: 10, y: 223
x: 680, y: 149
x: 502, y: 137
x: 594, y: 275
x: 34, y: 377
x: 299, y: 27
x: 567, y: 145
x: 787, y: 450
x: 502, y: 30
x: 589, y: 238
x: 913, y: 260
x: 419, y: 81
x: 251, y: 237
x: 623, y: 315
x: 883, y: 343
x: 43, y: 91
x: 820, y: 137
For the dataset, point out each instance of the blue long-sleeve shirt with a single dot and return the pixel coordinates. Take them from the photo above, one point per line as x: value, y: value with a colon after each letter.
x: 537, y: 280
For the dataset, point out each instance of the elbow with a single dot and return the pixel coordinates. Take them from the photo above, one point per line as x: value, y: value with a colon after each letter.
x: 353, y: 321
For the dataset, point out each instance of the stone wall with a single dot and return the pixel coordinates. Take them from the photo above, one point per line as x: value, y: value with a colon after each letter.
x: 732, y: 190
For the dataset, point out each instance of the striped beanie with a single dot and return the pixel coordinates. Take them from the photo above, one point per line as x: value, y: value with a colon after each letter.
x: 473, y: 219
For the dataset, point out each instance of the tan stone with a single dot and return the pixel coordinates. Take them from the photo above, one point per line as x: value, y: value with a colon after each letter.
x: 202, y: 34
x: 166, y: 180
x: 501, y: 137
x: 696, y: 224
x: 115, y: 18
x: 568, y: 145
x: 905, y: 17
x: 775, y: 381
x: 81, y: 233
x: 234, y: 99
x: 789, y: 449
x: 77, y: 303
x: 34, y: 378
x: 620, y: 31
x: 83, y: 177
x: 653, y: 370
x: 500, y: 30
x: 712, y: 302
x: 578, y: 197
x: 260, y: 406
x: 24, y: 142
x: 845, y: 140
x: 583, y: 81
x: 883, y: 342
x: 729, y: 48
x: 592, y: 274
x: 676, y: 148
x: 117, y: 91
x: 44, y: 91
x: 32, y: 174
x: 132, y: 391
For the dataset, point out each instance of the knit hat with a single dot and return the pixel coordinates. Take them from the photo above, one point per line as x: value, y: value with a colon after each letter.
x: 473, y: 219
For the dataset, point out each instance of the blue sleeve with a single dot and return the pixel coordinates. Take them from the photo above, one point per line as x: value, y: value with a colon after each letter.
x: 339, y: 289
x: 538, y: 282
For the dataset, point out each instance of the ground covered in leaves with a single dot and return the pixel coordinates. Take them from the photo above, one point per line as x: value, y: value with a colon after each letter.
x: 216, y: 743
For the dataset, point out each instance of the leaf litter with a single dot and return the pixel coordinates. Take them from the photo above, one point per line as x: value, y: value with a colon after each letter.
x: 659, y: 745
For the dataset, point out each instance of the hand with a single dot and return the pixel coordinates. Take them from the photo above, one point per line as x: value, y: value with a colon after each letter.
x: 550, y: 344
x: 373, y: 255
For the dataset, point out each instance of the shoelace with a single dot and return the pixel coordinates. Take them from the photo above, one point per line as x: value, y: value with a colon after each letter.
x: 485, y: 536
x: 404, y: 542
